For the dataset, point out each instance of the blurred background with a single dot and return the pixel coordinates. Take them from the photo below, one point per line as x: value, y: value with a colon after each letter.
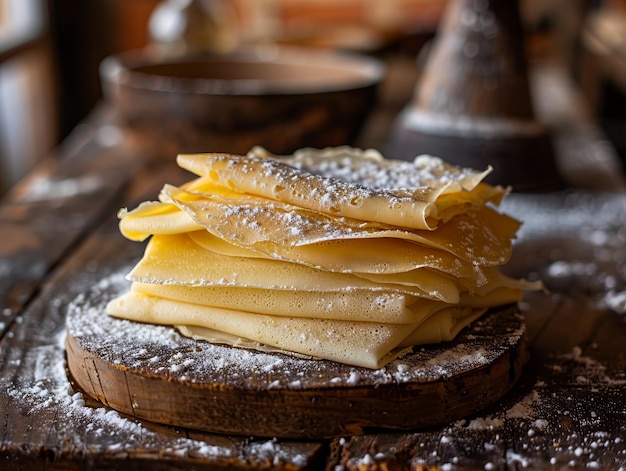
x: 50, y: 51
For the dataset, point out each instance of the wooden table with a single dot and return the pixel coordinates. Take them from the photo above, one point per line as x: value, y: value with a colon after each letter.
x: 58, y: 235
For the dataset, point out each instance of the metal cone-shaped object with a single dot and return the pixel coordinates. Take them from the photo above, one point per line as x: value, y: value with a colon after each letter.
x: 472, y: 105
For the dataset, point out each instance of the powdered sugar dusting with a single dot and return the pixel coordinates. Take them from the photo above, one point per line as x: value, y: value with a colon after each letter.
x: 164, y: 351
x: 104, y: 429
x: 371, y: 171
x: 586, y: 237
x: 37, y: 388
x: 538, y: 427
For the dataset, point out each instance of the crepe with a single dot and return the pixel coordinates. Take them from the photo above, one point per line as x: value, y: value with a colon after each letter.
x: 396, y: 193
x: 336, y: 254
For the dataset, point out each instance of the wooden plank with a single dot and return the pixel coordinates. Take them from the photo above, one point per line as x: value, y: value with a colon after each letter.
x: 45, y: 421
x: 606, y: 343
x: 569, y: 409
x: 454, y: 447
x: 49, y: 217
x: 45, y: 216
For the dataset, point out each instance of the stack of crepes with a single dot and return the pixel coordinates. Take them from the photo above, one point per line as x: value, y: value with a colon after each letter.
x: 336, y: 254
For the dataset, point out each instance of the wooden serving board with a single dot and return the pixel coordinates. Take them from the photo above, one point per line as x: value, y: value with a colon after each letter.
x: 154, y: 373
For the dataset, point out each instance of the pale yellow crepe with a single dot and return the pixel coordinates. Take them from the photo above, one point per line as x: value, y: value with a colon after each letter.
x: 397, y: 193
x: 481, y: 236
x: 337, y: 253
x: 364, y: 257
x: 176, y: 259
x: 357, y: 343
x: 443, y: 326
x: 369, y: 168
x: 154, y: 217
x: 355, y: 305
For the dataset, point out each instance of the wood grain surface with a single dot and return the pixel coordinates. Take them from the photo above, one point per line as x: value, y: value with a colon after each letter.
x: 567, y: 411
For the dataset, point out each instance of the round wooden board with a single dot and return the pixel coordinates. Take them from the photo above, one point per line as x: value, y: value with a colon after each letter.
x: 154, y: 373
